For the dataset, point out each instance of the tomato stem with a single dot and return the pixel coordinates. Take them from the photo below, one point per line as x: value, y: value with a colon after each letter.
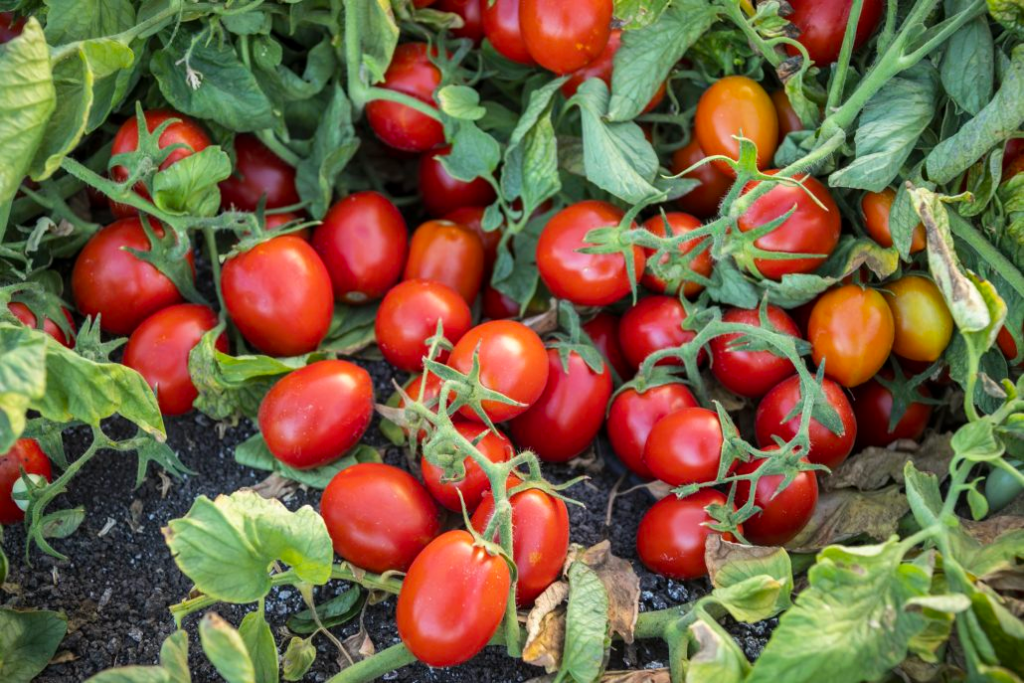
x: 372, y: 668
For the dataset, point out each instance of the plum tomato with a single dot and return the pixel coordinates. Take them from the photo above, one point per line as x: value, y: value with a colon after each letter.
x: 442, y: 194
x: 851, y: 331
x: 25, y: 455
x: 570, y: 412
x: 275, y: 221
x: 158, y: 350
x: 449, y: 253
x: 1004, y: 340
x: 789, y: 120
x: 876, y: 207
x: 584, y: 279
x: 379, y: 517
x: 24, y: 314
x: 822, y: 25
x: 496, y: 306
x: 494, y: 445
x: 602, y: 67
x: 426, y: 393
x: 10, y: 27
x: 633, y: 414
x: 751, y: 373
x: 452, y: 601
x: 471, y: 12
x: 408, y: 316
x: 110, y: 282
x: 736, y: 105
x: 501, y: 27
x: 472, y: 217
x: 783, y: 513
x: 702, y: 201
x: 924, y: 324
x: 653, y: 324
x: 565, y: 36
x: 258, y: 173
x: 685, y: 447
x: 1013, y: 158
x: 826, y: 448
x: 411, y: 72
x: 513, y: 362
x: 603, y: 330
x: 672, y: 535
x: 873, y: 403
x: 679, y: 223
x: 811, y: 229
x: 279, y: 295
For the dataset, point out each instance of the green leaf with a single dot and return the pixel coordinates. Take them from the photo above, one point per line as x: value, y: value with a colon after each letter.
x: 174, y: 657
x: 253, y: 452
x: 754, y: 599
x: 71, y: 20
x: 1003, y: 630
x: 335, y: 612
x: 259, y: 642
x: 73, y: 80
x: 1009, y: 13
x: 475, y: 154
x: 748, y: 577
x: 530, y: 170
x: 460, y: 102
x: 28, y: 641
x: 719, y: 658
x: 22, y: 378
x: 133, y: 674
x: 923, y: 495
x: 968, y: 63
x: 377, y: 33
x: 298, y: 658
x: 352, y: 329
x: 635, y: 14
x: 586, y: 624
x: 977, y: 442
x: 226, y: 650
x: 189, y: 187
x: 334, y: 145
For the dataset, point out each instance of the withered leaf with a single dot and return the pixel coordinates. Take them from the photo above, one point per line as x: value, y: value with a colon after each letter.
x: 873, y: 468
x: 846, y: 513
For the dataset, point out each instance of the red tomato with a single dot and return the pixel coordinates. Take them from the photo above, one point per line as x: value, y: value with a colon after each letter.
x: 702, y: 201
x: 442, y: 193
x: 411, y: 72
x: 110, y: 282
x: 685, y: 447
x: 1013, y: 158
x: 789, y: 120
x: 420, y: 4
x: 736, y: 105
x: 258, y: 173
x: 513, y: 362
x: 851, y: 331
x: 655, y: 323
x: 784, y: 513
x: 158, y: 349
x: 603, y: 330
x: 501, y: 26
x: 672, y: 535
x: 751, y: 373
x: 872, y: 404
x: 449, y: 253
x: 10, y: 27
x: 1006, y: 343
x: 379, y: 517
x: 495, y: 446
x: 809, y: 230
x: 25, y: 455
x: 570, y: 412
x: 472, y: 217
x: 279, y: 295
x: 826, y: 448
x: 471, y: 12
x: 876, y: 207
x: 363, y: 241
x: 408, y: 316
x: 584, y: 279
x: 632, y: 416
x: 426, y: 393
x: 497, y: 306
x: 602, y: 68
x: 275, y: 221
x: 452, y: 601
x: 822, y: 25
x: 680, y: 223
x: 27, y: 318
x: 565, y: 36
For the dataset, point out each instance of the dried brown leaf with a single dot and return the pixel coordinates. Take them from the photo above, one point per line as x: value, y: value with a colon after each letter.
x: 717, y: 553
x: 873, y: 468
x: 643, y: 676
x: 987, y: 531
x: 275, y: 486
x: 846, y: 513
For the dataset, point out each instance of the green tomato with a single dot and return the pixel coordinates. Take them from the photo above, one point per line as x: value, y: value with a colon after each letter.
x: 1001, y: 488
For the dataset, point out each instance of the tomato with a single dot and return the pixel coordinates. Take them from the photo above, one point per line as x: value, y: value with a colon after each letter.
x: 822, y: 25
x: 751, y: 373
x: 408, y: 316
x: 789, y: 120
x: 279, y: 295
x: 672, y: 535
x: 27, y: 318
x: 632, y: 415
x: 872, y: 404
x: 1013, y: 158
x: 420, y: 4
x: 495, y: 446
x: 736, y: 105
x: 501, y: 27
x: 602, y: 67
x: 379, y: 517
x: 258, y: 173
x: 275, y: 221
x: 10, y: 27
x: 472, y: 217
x: 876, y: 207
x: 569, y: 414
x: 363, y: 241
x: 497, y: 306
x: 441, y: 193
x: 653, y: 324
x: 452, y: 601
x: 1004, y: 340
x: 513, y: 362
x: 158, y: 349
x: 685, y: 447
x: 851, y: 331
x: 411, y: 72
x: 565, y: 36
x: 471, y: 12
x: 783, y: 513
x: 702, y: 201
x: 184, y: 131
x: 112, y: 283
x: 924, y: 324
x: 25, y: 455
x: 603, y: 330
x: 584, y: 279
x: 449, y: 253
x: 826, y: 448
x: 426, y: 393
x: 680, y: 223
x: 540, y: 538
x: 809, y: 230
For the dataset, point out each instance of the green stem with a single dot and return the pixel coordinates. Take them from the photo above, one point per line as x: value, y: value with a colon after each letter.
x: 653, y: 624
x: 214, y: 256
x: 374, y: 93
x: 372, y: 668
x: 963, y: 230
x: 388, y: 584
x: 838, y: 85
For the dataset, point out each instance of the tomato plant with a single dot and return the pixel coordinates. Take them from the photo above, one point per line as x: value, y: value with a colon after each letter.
x: 672, y: 535
x: 25, y: 315
x: 408, y: 316
x: 851, y: 332
x: 449, y: 253
x: 701, y: 263
x: 259, y: 174
x: 25, y: 456
x: 736, y: 105
x: 494, y: 445
x: 633, y: 414
x: 924, y: 324
x: 602, y: 67
x: 751, y: 373
x: 398, y: 125
x: 873, y: 404
x: 565, y: 37
x: 685, y: 447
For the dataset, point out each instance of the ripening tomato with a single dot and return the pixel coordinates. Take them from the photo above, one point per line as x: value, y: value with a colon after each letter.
x: 822, y: 25
x: 441, y: 193
x: 471, y: 12
x: 453, y: 600
x: 496, y: 306
x: 751, y: 373
x: 679, y: 223
x: 924, y: 324
x: 584, y: 279
x: 25, y: 455
x: 513, y: 362
x: 685, y: 447
x: 540, y: 538
x: 826, y: 448
x: 789, y: 120
x: 602, y: 67
x: 472, y: 217
x: 110, y: 282
x: 158, y: 350
x: 672, y: 535
x: 653, y: 324
x: 876, y: 207
x: 851, y: 331
x: 279, y: 295
x: 494, y: 445
x: 783, y: 513
x: 501, y: 26
x: 565, y: 36
x: 258, y: 173
x: 570, y: 412
x: 379, y: 517
x: 27, y: 318
x: 603, y: 330
x: 10, y: 27
x: 1013, y: 158
x: 449, y: 253
x: 363, y: 241
x: 873, y: 403
x: 426, y: 393
x: 1006, y: 343
x: 811, y: 229
x: 632, y: 415
x: 736, y: 105
x: 397, y: 125
x: 408, y: 316
x: 702, y: 201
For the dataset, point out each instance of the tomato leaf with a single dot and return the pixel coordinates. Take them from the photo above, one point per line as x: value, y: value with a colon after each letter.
x: 718, y: 658
x: 586, y: 624
x: 334, y: 145
x: 73, y: 81
x: 71, y: 20
x: 28, y: 641
x: 298, y: 658
x: 635, y: 14
x: 226, y: 650
x: 335, y: 612
x: 378, y: 35
x: 259, y: 641
x: 253, y: 452
x: 189, y: 186
x: 968, y: 63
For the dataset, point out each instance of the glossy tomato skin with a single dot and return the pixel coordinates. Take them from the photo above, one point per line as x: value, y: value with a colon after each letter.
x: 789, y: 120
x: 26, y: 455
x: 426, y: 393
x: 584, y: 279
x: 472, y: 217
x: 411, y: 72
x: 653, y: 324
x: 501, y: 26
x: 497, y: 306
x: 822, y: 24
x: 685, y: 447
x: 602, y: 67
x: 10, y: 27
x: 751, y: 373
x: 442, y: 194
x: 924, y: 324
x: 1013, y: 158
x: 603, y: 330
x: 452, y: 601
x: 158, y: 349
x: 680, y: 223
x: 495, y: 446
x: 563, y: 37
x: 449, y: 253
x: 113, y: 283
x: 632, y: 415
x: 258, y: 173
x: 809, y: 230
x: 731, y: 105
x: 379, y: 517
x: 783, y: 514
x: 408, y: 316
x: 702, y: 201
x: 671, y: 536
x: 826, y: 448
x: 876, y: 207
x: 872, y: 404
x: 275, y: 221
x: 24, y: 314
x: 570, y: 412
x: 851, y: 331
x: 279, y: 295
x: 1005, y: 343
x: 472, y: 13
x: 363, y: 241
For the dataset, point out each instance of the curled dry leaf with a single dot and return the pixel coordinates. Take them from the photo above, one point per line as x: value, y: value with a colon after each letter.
x: 718, y: 553
x: 275, y: 486
x: 846, y: 513
x: 621, y: 583
x: 545, y: 322
x: 987, y: 531
x: 873, y: 468
x: 545, y: 628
